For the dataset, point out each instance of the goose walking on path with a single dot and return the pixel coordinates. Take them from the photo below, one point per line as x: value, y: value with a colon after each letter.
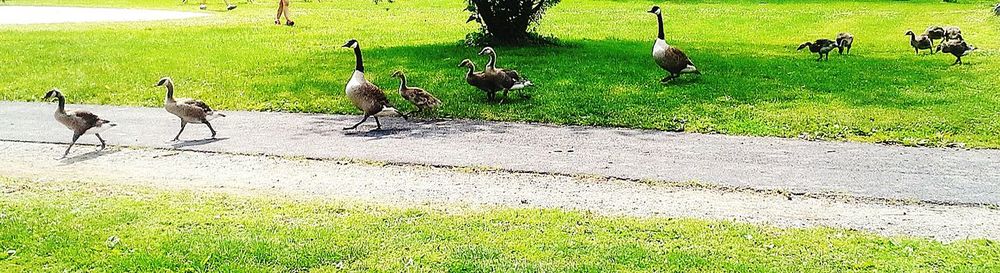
x: 188, y: 110
x: 81, y: 122
x: 423, y: 100
x: 505, y: 79
x: 365, y: 95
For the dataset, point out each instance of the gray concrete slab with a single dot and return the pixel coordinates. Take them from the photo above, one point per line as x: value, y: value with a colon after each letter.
x: 855, y: 169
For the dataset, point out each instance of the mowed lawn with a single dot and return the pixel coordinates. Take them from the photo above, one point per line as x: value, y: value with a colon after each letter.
x: 80, y: 226
x: 754, y: 82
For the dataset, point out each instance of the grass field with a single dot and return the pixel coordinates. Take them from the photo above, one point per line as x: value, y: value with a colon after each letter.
x: 754, y: 81
x: 77, y: 226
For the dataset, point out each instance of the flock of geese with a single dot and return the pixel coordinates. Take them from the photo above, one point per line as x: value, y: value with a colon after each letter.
x: 951, y: 42
x: 372, y: 101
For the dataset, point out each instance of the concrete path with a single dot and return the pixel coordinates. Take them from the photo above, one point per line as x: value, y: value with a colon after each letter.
x: 23, y: 15
x: 859, y: 170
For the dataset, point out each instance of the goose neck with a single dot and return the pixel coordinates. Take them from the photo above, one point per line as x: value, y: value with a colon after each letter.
x: 359, y: 63
x: 659, y: 22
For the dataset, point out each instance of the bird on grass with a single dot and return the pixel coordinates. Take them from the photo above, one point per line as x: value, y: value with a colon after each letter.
x: 668, y: 57
x: 821, y: 47
x: 420, y: 98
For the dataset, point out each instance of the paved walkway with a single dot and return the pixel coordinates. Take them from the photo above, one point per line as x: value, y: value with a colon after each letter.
x: 862, y: 170
x: 23, y: 15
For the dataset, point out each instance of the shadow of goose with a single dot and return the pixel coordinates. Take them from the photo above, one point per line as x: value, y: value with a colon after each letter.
x: 88, y: 156
x: 189, y: 143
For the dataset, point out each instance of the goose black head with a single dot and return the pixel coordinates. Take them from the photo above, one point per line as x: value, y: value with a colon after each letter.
x: 163, y: 81
x: 52, y: 94
x: 465, y: 63
x: 351, y: 44
x: 804, y: 45
x: 909, y: 32
x: 487, y: 50
x: 397, y: 73
x: 472, y: 17
x: 655, y: 10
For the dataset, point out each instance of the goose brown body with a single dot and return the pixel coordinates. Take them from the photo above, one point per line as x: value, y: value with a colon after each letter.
x: 957, y: 48
x: 919, y: 42
x: 844, y: 40
x: 420, y: 98
x: 79, y: 121
x: 479, y: 80
x: 669, y: 58
x: 821, y: 47
x: 503, y: 79
x: 366, y: 96
x: 186, y: 109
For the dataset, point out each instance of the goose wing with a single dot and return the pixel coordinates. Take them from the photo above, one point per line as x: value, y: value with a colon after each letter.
x: 674, y: 60
x: 369, y: 98
x: 420, y: 97
x: 197, y: 103
x: 87, y: 119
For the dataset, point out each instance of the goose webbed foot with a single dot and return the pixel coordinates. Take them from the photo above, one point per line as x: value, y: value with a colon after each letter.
x: 669, y: 78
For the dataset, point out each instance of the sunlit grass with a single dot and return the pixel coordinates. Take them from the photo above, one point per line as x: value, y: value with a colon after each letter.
x: 79, y: 226
x: 754, y: 81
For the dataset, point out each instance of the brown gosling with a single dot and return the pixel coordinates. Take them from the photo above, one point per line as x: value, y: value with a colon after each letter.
x: 957, y: 48
x: 188, y: 110
x: 821, y: 47
x: 366, y: 96
x: 844, y: 40
x: 420, y: 98
x: 79, y: 121
x: 506, y: 79
x: 919, y: 42
x: 479, y: 80
x: 670, y: 58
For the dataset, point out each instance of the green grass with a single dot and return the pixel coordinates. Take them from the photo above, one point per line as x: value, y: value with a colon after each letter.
x: 754, y: 81
x: 56, y: 226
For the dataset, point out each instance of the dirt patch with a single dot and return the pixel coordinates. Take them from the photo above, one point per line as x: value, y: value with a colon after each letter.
x: 422, y: 185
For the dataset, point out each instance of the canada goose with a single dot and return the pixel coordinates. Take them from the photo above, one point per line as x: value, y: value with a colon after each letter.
x: 957, y: 48
x: 996, y: 10
x: 365, y: 95
x: 821, y: 47
x: 423, y: 100
x: 934, y: 33
x: 188, y: 110
x: 81, y: 122
x: 844, y: 40
x: 506, y: 79
x: 478, y: 79
x: 952, y: 33
x: 919, y: 42
x: 670, y: 58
